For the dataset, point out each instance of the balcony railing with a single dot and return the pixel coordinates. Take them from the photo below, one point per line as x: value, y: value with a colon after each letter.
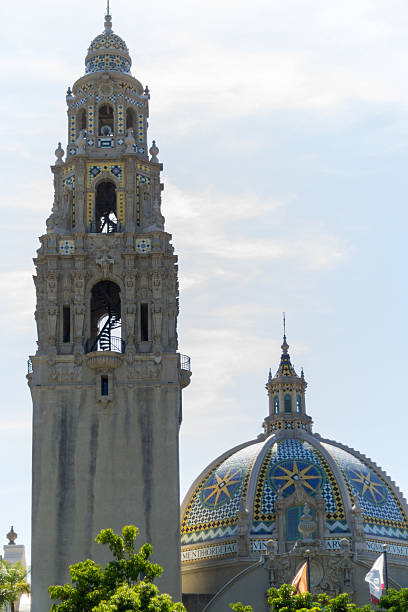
x: 113, y: 343
x: 185, y: 362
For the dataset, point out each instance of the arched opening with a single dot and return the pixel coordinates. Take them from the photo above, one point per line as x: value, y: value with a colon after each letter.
x: 276, y: 404
x: 81, y: 121
x: 130, y: 119
x: 106, y: 325
x: 293, y: 516
x: 106, y: 120
x: 105, y: 208
x: 288, y: 403
x: 298, y: 403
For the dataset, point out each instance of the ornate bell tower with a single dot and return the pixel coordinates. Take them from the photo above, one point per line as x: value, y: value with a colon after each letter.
x: 106, y: 379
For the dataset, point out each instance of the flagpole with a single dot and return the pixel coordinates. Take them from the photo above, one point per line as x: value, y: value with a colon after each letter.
x: 385, y: 568
x: 308, y: 570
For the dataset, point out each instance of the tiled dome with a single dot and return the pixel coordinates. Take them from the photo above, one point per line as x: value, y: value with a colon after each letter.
x: 108, y: 52
x: 254, y: 475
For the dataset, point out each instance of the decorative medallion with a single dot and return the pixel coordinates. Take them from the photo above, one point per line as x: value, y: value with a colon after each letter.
x: 143, y: 245
x: 369, y: 486
x: 66, y: 247
x: 285, y: 474
x: 220, y: 488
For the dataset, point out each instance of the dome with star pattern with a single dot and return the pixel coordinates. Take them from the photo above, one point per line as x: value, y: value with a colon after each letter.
x: 288, y: 463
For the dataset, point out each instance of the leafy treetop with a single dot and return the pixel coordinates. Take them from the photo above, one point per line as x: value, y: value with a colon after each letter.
x: 123, y: 585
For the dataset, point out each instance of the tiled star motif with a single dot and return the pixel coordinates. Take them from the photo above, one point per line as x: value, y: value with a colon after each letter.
x: 143, y: 245
x: 219, y: 488
x: 382, y: 510
x: 216, y: 501
x: 290, y: 461
x: 66, y: 247
x: 283, y: 476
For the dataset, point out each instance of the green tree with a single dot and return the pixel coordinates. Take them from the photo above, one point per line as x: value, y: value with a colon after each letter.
x: 123, y: 585
x: 286, y: 599
x: 395, y: 601
x: 13, y: 583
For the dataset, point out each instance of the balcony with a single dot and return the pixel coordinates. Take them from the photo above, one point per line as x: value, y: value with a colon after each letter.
x: 185, y: 371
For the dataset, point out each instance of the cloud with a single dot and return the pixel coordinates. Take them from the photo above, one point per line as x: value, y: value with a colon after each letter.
x: 16, y: 313
x: 223, y: 230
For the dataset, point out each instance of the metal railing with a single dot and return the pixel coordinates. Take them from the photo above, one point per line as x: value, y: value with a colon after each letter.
x: 185, y: 362
x: 114, y: 343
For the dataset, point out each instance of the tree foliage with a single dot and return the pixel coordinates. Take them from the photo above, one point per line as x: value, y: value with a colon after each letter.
x: 123, y: 585
x: 394, y: 601
x: 13, y: 583
x: 286, y: 599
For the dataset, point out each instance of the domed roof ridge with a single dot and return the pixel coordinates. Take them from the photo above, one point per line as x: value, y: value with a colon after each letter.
x: 370, y: 462
x: 213, y: 464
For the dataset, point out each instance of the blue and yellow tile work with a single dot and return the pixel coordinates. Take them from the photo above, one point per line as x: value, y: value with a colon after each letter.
x: 213, y: 508
x: 383, y: 512
x: 287, y: 462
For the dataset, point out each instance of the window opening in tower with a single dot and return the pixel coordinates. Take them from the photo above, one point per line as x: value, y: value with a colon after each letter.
x: 106, y: 121
x: 106, y: 324
x: 105, y: 208
x: 82, y: 119
x: 130, y: 119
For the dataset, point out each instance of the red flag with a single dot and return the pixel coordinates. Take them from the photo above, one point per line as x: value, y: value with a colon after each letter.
x: 300, y: 580
x: 375, y: 579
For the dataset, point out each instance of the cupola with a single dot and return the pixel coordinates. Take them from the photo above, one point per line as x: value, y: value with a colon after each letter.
x: 286, y: 391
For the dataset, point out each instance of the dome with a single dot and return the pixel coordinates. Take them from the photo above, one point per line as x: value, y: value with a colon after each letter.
x: 257, y: 475
x: 108, y: 52
x: 259, y: 494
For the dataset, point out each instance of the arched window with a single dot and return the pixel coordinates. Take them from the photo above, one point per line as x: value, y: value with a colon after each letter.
x: 106, y: 121
x: 106, y: 327
x: 276, y: 404
x: 130, y: 119
x: 298, y: 403
x: 81, y: 121
x: 288, y: 403
x: 105, y: 208
x: 293, y: 516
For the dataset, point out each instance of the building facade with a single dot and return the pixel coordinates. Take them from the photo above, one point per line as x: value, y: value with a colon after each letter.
x: 106, y: 379
x: 260, y: 510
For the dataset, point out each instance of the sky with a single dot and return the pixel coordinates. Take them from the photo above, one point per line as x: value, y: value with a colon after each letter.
x: 283, y: 130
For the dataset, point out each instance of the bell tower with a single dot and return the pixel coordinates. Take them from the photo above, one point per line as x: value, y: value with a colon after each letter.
x: 106, y: 379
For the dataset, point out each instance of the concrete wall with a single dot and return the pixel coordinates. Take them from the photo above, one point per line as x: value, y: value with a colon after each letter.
x: 104, y: 465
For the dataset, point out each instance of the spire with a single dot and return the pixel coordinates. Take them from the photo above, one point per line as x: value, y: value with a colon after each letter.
x: 108, y: 20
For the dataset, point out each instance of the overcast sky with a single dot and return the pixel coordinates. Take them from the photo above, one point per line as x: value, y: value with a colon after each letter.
x: 283, y: 129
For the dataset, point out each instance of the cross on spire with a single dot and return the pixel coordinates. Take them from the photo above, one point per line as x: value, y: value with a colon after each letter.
x: 107, y: 8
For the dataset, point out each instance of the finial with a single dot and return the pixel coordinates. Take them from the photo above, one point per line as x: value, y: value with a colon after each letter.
x: 270, y: 375
x: 108, y: 19
x: 154, y: 150
x: 284, y: 345
x: 11, y: 536
x: 59, y: 154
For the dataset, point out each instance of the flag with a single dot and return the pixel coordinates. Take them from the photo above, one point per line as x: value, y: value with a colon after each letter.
x: 375, y: 579
x: 300, y: 580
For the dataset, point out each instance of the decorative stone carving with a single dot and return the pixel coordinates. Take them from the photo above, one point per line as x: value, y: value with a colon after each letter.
x: 105, y: 261
x: 156, y: 285
x: 242, y: 530
x: 52, y: 324
x: 143, y: 370
x: 104, y: 360
x: 157, y: 323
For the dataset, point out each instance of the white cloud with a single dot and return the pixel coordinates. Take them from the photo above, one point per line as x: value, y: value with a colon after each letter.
x: 215, y: 226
